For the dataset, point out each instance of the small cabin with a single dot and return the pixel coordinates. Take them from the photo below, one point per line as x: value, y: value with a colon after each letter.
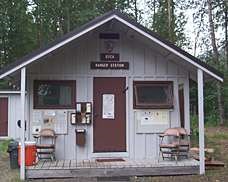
x: 107, y: 89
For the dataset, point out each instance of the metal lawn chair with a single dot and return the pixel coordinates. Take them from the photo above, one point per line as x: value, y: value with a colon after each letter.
x: 46, y: 141
x: 169, y: 144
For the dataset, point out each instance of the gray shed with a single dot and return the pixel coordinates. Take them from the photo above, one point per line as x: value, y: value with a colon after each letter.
x: 116, y: 81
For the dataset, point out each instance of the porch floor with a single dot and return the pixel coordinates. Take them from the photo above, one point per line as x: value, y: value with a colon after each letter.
x: 92, y: 168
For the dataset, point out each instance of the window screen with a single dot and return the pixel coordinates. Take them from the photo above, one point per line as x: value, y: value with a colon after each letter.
x: 54, y: 94
x: 153, y: 94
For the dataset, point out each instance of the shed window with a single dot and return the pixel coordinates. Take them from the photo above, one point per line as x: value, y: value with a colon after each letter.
x: 54, y: 94
x: 153, y: 95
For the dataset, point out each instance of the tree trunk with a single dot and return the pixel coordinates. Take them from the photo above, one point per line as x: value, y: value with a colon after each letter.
x: 59, y: 21
x: 154, y: 10
x: 68, y: 19
x: 216, y: 60
x: 169, y: 18
x: 136, y: 10
x: 226, y: 32
x: 196, y: 42
x: 212, y: 32
x: 39, y: 30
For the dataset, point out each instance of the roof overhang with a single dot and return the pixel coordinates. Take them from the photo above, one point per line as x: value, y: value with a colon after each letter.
x: 36, y: 55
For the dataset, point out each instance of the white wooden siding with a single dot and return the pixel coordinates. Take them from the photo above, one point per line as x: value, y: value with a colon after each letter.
x: 14, y: 114
x: 73, y: 63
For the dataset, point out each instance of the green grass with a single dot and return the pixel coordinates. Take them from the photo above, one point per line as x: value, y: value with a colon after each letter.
x: 219, y: 136
x: 7, y: 174
x: 4, y: 146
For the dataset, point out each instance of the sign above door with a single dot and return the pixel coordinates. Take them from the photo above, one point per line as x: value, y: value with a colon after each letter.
x: 109, y: 53
x: 109, y: 65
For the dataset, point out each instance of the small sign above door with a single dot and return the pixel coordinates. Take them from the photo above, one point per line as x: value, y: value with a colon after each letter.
x: 109, y: 57
x: 109, y: 65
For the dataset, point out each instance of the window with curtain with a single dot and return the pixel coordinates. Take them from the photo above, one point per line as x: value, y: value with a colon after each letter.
x: 52, y: 94
x: 153, y: 94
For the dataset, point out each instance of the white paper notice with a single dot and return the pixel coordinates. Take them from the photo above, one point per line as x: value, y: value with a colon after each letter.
x: 37, y: 117
x: 60, y: 124
x: 108, y: 106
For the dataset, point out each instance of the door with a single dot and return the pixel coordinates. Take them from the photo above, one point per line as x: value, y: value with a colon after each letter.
x: 109, y: 127
x: 181, y: 105
x: 3, y: 116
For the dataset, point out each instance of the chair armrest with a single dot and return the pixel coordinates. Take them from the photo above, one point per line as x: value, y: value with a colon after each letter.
x: 36, y: 136
x: 161, y: 135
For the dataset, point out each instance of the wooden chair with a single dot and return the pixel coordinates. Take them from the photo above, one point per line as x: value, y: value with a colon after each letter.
x: 46, y: 144
x: 169, y: 143
x: 174, y: 142
x: 184, y: 142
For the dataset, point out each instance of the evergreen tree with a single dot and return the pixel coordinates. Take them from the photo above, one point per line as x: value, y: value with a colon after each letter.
x: 168, y: 20
x: 16, y: 30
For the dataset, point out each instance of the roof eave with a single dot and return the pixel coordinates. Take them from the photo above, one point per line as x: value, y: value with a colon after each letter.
x: 98, y: 22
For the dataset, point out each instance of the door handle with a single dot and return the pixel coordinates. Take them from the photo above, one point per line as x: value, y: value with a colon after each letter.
x: 125, y: 90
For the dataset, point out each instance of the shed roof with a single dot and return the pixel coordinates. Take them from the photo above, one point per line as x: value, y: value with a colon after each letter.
x: 123, y: 18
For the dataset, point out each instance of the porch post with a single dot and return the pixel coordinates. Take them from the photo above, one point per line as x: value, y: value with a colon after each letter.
x: 201, y: 120
x: 23, y: 82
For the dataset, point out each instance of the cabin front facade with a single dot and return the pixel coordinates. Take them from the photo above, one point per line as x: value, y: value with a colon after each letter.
x: 93, y: 88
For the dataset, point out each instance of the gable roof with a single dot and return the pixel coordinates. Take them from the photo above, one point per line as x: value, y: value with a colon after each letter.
x: 35, y: 55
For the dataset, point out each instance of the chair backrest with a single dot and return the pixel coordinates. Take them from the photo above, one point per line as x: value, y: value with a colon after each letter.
x: 172, y: 132
x: 47, y: 133
x: 182, y: 131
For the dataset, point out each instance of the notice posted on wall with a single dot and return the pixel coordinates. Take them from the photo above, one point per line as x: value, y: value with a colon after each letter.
x: 108, y: 106
x: 60, y: 125
x: 52, y: 119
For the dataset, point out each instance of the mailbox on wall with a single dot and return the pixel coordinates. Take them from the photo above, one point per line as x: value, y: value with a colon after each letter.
x: 80, y: 137
x: 83, y: 114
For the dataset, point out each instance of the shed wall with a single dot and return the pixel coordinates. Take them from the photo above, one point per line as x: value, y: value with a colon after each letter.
x: 73, y: 63
x: 14, y: 114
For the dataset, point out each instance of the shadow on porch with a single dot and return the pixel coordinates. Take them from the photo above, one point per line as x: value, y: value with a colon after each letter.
x: 92, y: 168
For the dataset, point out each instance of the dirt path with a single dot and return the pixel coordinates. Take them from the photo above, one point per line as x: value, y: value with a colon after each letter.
x: 7, y: 174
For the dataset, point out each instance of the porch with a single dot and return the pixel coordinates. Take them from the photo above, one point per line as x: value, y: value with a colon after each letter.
x: 92, y: 168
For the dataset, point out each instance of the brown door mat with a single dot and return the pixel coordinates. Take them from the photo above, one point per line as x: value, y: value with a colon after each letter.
x: 110, y: 160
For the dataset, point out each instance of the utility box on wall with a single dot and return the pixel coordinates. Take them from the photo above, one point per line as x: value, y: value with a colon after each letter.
x: 152, y: 121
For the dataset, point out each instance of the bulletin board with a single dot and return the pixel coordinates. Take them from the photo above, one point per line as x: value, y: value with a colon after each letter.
x: 53, y: 119
x: 152, y: 121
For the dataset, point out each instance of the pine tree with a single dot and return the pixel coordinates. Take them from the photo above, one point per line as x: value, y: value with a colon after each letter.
x: 167, y: 22
x: 16, y: 30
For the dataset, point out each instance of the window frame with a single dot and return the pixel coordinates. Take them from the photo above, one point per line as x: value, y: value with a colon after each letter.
x: 167, y: 105
x: 71, y: 83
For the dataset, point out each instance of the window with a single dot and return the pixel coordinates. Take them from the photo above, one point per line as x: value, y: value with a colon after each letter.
x: 153, y: 94
x: 54, y: 94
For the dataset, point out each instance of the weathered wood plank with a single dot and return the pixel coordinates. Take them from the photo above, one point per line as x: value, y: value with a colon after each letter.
x: 112, y: 172
x: 53, y: 164
x: 39, y: 164
x: 66, y: 164
x: 46, y: 164
x: 60, y: 164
